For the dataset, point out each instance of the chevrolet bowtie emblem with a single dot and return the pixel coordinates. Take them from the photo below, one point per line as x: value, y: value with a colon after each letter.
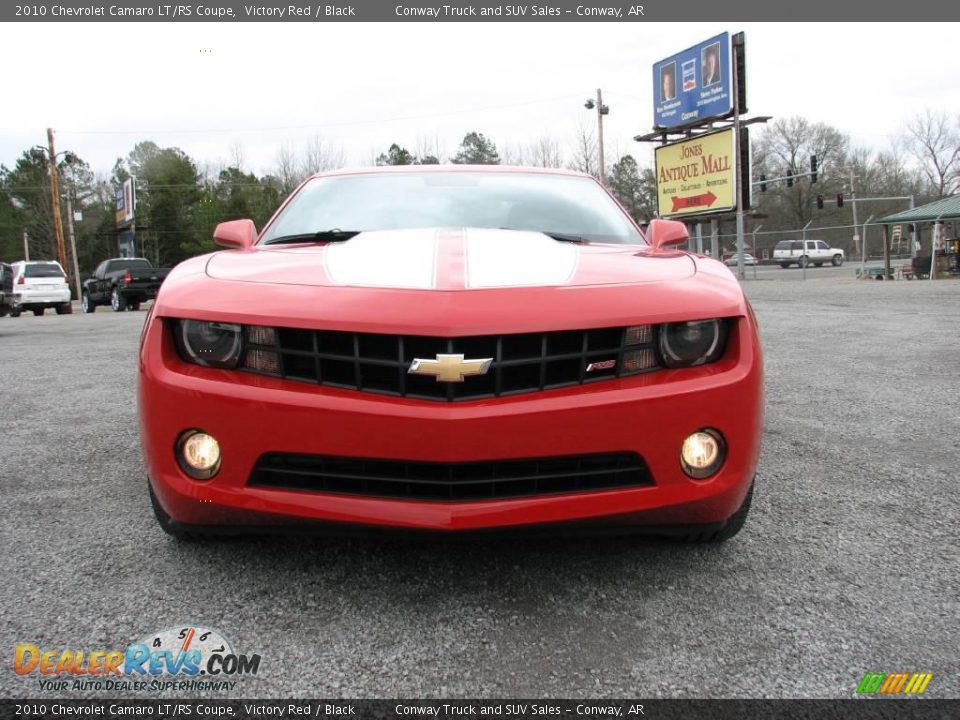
x: 449, y: 368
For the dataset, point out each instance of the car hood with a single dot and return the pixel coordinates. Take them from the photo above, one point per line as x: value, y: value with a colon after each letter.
x: 450, y: 283
x: 443, y: 259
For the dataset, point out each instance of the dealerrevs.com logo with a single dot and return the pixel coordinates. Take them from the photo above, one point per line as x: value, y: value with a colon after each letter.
x: 185, y: 658
x: 897, y: 683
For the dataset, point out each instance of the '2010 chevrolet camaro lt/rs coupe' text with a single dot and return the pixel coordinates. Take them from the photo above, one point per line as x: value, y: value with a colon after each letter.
x: 451, y: 348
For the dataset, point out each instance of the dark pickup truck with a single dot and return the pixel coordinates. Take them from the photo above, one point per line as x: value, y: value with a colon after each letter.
x: 122, y: 283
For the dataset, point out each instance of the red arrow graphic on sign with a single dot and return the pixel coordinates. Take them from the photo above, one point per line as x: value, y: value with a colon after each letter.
x: 705, y: 200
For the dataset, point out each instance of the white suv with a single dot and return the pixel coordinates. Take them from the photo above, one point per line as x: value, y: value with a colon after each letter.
x: 789, y: 252
x: 39, y: 285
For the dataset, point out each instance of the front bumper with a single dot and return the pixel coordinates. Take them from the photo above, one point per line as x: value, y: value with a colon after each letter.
x: 648, y: 414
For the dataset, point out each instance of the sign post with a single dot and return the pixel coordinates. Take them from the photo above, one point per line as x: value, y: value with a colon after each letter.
x: 741, y: 273
x: 125, y: 200
x: 707, y: 172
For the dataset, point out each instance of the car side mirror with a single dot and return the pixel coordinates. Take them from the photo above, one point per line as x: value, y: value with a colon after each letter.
x: 661, y: 233
x: 235, y: 234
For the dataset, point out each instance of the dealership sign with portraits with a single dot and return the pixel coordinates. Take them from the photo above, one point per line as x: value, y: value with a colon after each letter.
x: 697, y: 176
x: 124, y: 201
x: 694, y: 85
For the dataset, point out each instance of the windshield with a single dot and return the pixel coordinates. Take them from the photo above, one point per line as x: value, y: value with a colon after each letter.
x: 562, y: 204
x: 47, y: 270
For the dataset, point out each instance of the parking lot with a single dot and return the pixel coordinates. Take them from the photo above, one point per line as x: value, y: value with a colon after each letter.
x: 849, y: 562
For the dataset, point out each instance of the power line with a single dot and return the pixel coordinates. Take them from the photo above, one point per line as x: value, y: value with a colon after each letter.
x: 315, y: 126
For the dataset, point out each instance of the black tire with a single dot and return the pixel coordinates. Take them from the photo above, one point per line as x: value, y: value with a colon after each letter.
x: 87, y: 304
x: 64, y: 309
x: 734, y: 524
x: 117, y: 301
x: 784, y: 265
x: 837, y: 260
x: 15, y: 312
x: 134, y: 306
x: 803, y: 262
x: 38, y: 311
x: 172, y: 528
x: 818, y: 264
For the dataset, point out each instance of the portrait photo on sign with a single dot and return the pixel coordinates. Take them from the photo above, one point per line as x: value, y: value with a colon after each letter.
x: 711, y: 64
x: 668, y: 82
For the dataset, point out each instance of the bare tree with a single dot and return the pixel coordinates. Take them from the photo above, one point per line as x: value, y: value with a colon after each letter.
x: 545, y: 152
x: 935, y: 143
x: 430, y: 150
x: 585, y: 157
x: 512, y: 154
x: 208, y: 171
x: 237, y: 154
x: 286, y: 170
x: 320, y: 154
x: 784, y: 149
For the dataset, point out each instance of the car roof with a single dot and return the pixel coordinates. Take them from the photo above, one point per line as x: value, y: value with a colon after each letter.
x: 503, y: 169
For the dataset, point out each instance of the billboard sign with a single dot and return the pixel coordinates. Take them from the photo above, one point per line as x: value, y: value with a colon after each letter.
x: 698, y: 175
x: 125, y: 200
x: 694, y: 85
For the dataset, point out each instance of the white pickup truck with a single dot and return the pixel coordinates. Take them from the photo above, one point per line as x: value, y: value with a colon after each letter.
x: 817, y: 252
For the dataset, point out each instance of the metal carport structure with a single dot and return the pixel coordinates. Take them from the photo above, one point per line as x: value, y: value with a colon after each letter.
x: 946, y: 209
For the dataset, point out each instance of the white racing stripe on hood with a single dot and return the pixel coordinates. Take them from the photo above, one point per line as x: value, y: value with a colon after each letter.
x: 398, y: 258
x: 515, y: 259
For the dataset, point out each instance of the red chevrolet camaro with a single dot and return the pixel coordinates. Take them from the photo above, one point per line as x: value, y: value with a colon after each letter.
x: 451, y: 349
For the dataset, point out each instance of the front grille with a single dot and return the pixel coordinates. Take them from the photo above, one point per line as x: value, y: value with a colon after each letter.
x: 520, y: 363
x: 451, y: 481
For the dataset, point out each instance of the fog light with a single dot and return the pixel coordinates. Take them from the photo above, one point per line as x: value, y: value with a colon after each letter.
x: 198, y: 454
x: 702, y: 453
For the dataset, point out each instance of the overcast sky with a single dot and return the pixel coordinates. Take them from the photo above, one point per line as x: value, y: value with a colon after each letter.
x: 204, y: 87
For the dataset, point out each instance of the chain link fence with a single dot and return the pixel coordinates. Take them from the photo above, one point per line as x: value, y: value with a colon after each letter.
x: 761, y: 243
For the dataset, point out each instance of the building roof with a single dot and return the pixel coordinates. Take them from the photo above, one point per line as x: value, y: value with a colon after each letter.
x: 946, y: 209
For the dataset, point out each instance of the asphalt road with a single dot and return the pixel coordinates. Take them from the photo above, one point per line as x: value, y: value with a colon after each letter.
x: 849, y: 562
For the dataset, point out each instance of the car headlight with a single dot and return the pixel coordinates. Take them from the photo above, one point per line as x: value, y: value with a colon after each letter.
x: 685, y: 344
x: 210, y: 344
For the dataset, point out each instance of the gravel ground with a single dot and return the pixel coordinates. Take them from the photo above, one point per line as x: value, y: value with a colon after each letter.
x: 849, y: 562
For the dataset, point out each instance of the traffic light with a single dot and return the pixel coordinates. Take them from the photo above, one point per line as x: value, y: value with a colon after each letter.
x: 819, y: 202
x: 813, y: 168
x: 763, y: 183
x: 839, y: 200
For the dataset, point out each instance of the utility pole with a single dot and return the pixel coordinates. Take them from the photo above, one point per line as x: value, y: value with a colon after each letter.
x: 73, y: 245
x: 55, y: 199
x: 853, y: 204
x: 26, y: 247
x: 601, y: 111
x: 737, y: 184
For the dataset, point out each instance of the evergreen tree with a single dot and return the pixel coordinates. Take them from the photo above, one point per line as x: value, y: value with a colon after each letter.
x: 396, y: 155
x: 475, y: 149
